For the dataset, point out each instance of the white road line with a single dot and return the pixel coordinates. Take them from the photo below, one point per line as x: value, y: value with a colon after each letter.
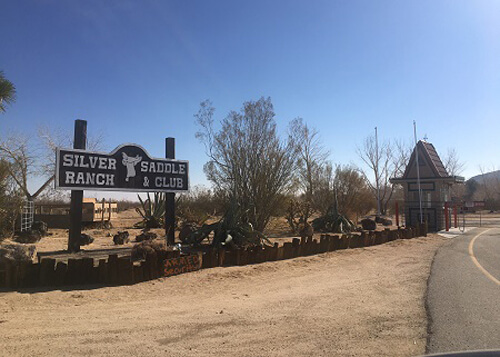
x: 476, y: 262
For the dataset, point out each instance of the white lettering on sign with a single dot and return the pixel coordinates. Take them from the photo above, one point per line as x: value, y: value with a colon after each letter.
x: 76, y: 160
x: 165, y: 182
x: 89, y: 178
x: 163, y: 167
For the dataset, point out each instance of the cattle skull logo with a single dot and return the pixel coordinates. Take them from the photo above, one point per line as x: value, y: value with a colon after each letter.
x: 130, y: 163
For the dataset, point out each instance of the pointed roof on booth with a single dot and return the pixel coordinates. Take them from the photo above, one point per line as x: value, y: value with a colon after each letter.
x: 430, y: 163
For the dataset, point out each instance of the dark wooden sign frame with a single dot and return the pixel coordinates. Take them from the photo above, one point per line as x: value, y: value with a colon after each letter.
x: 129, y: 167
x: 120, y: 170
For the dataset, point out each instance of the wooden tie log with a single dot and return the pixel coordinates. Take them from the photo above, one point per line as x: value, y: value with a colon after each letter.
x: 221, y: 255
x: 24, y: 274
x: 103, y: 271
x: 244, y: 257
x: 296, y: 247
x: 344, y: 242
x: 126, y: 271
x: 276, y: 251
x: 287, y: 250
x: 138, y: 273
x: 60, y: 273
x: 354, y: 242
x: 87, y: 265
x: 113, y: 269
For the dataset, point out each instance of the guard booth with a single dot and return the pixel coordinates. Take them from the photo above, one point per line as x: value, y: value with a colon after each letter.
x: 434, y: 182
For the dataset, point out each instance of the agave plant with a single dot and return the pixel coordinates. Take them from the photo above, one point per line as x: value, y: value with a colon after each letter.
x: 233, y: 230
x: 152, y: 211
x: 334, y: 222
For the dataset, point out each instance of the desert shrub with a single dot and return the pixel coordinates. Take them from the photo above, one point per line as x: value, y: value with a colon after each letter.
x: 31, y: 236
x: 124, y: 205
x: 232, y: 230
x: 333, y: 222
x: 297, y: 214
x: 16, y: 253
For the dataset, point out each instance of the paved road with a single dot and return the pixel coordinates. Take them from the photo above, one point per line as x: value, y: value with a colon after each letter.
x: 464, y: 293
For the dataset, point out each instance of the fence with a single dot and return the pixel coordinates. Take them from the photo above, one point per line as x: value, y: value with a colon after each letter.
x: 122, y: 271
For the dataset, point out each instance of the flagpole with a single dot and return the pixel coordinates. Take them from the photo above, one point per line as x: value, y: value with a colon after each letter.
x: 418, y: 172
x: 377, y: 173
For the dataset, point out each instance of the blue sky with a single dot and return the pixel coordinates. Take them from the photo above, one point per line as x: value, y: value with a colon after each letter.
x: 137, y: 70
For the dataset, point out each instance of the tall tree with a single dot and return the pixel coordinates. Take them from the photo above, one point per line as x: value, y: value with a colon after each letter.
x: 247, y: 159
x: 7, y: 92
x: 311, y: 159
x: 383, y: 161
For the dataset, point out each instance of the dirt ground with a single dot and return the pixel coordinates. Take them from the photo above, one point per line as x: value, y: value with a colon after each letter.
x: 359, y: 302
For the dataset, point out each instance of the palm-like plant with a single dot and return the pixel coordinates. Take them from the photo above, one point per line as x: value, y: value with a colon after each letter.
x: 233, y: 230
x: 333, y: 222
x: 7, y: 92
x: 152, y: 211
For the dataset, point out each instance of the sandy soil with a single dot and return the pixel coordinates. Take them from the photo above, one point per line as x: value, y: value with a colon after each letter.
x: 360, y: 302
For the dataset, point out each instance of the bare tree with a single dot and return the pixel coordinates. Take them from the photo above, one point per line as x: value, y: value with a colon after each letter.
x: 323, y: 194
x: 247, y: 159
x: 386, y: 160
x: 488, y: 189
x: 28, y: 158
x: 452, y: 163
x: 311, y: 159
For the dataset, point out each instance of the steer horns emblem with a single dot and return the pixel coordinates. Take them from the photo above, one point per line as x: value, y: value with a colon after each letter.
x: 130, y: 163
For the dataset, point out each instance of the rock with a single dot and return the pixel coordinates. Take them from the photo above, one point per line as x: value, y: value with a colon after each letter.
x: 16, y: 253
x: 186, y: 230
x: 141, y: 251
x: 41, y: 227
x: 306, y: 231
x: 121, y: 238
x: 146, y: 248
x: 386, y: 222
x: 31, y: 236
x: 368, y: 224
x: 85, y: 239
x: 378, y: 219
x: 145, y: 235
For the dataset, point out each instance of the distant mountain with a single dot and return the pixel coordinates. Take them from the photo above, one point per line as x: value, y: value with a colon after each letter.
x: 495, y: 175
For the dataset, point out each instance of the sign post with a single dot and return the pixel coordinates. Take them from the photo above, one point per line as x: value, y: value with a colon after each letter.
x: 75, y: 211
x: 170, y: 202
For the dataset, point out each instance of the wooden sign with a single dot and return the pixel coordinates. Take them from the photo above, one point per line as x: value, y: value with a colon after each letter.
x: 127, y: 168
x: 181, y: 265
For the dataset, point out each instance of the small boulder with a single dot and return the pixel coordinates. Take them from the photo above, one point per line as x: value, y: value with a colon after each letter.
x: 368, y: 224
x: 145, y: 235
x: 146, y: 248
x: 186, y: 230
x: 121, y: 238
x: 386, y: 222
x: 86, y: 239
